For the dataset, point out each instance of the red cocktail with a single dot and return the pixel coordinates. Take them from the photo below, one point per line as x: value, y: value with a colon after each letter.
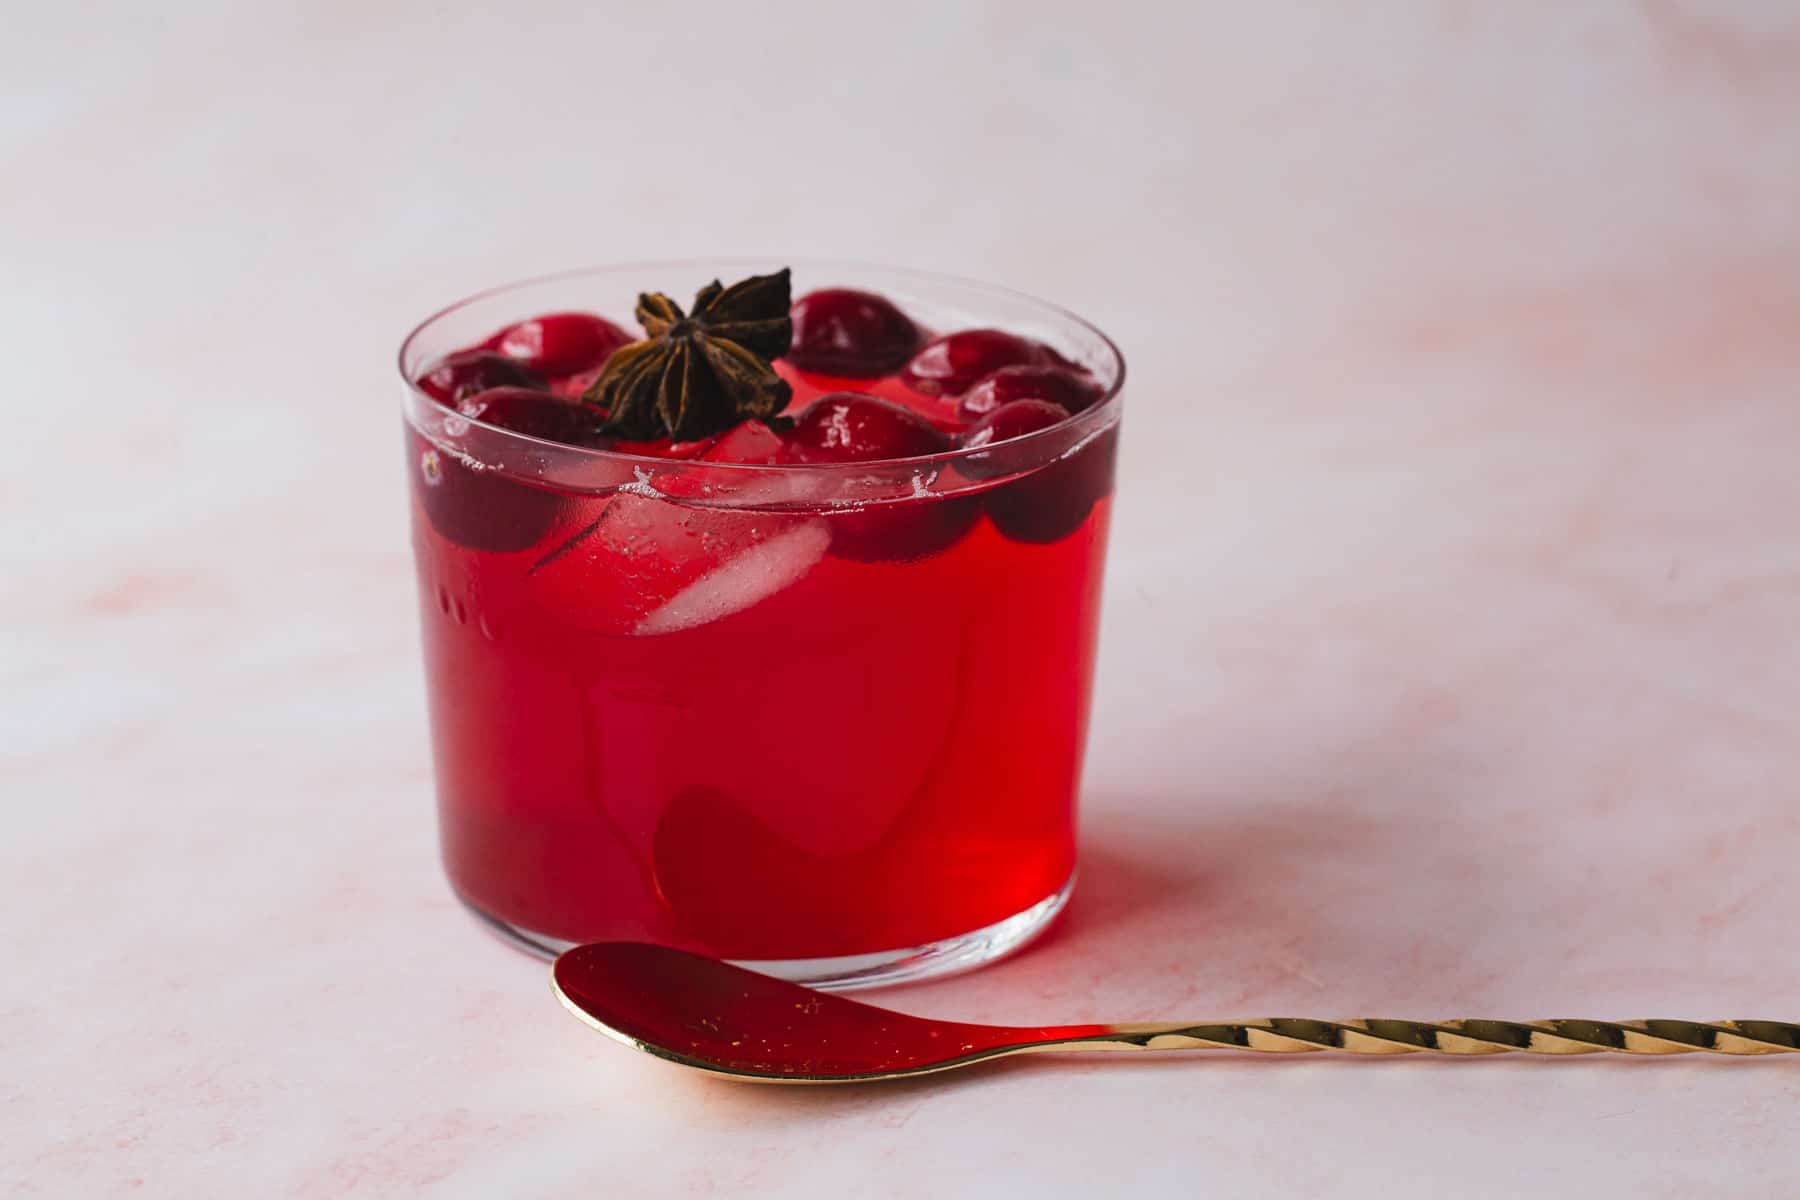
x: 774, y: 647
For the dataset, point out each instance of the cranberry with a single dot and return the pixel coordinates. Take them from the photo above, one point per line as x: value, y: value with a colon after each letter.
x: 480, y: 510
x: 1053, y: 502
x: 1008, y: 421
x: 949, y: 365
x: 902, y: 530
x: 533, y: 413
x: 852, y: 427
x: 470, y: 371
x: 484, y: 510
x: 560, y: 343
x: 1072, y: 389
x: 841, y: 331
x: 1014, y: 420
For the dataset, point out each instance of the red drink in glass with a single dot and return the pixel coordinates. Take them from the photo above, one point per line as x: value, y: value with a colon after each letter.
x: 827, y: 717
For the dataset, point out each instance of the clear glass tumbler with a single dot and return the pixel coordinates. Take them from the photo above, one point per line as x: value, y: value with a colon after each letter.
x: 826, y: 720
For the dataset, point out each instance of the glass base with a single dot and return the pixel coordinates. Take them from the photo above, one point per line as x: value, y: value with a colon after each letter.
x: 846, y: 972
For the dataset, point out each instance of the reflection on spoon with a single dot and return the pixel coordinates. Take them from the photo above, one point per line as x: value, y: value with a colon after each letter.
x: 715, y: 1017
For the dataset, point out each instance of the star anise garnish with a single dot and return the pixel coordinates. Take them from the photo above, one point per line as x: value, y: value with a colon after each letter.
x: 697, y: 374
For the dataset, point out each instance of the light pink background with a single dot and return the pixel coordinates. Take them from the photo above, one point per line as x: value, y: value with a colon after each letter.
x: 1451, y: 662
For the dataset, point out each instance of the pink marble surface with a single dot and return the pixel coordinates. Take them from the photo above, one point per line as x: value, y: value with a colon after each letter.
x: 1450, y: 663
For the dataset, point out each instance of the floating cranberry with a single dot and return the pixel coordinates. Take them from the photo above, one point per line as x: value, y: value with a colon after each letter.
x: 1052, y: 502
x: 852, y: 427
x: 1008, y: 421
x: 480, y: 510
x: 951, y: 364
x: 1073, y: 389
x: 902, y: 530
x: 533, y: 413
x: 560, y: 343
x: 841, y: 331
x: 469, y: 371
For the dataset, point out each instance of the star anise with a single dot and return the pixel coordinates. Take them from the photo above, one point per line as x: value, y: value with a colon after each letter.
x: 697, y: 374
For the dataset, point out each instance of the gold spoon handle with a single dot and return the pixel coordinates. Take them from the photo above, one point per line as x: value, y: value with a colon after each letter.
x: 1298, y: 1035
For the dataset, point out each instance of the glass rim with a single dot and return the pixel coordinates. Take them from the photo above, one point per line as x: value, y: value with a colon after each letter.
x: 1094, y: 417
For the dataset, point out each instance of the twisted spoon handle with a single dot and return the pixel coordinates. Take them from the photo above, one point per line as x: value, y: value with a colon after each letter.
x: 1298, y: 1035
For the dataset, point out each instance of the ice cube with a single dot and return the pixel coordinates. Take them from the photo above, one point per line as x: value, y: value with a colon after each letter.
x: 650, y: 567
x: 761, y: 570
